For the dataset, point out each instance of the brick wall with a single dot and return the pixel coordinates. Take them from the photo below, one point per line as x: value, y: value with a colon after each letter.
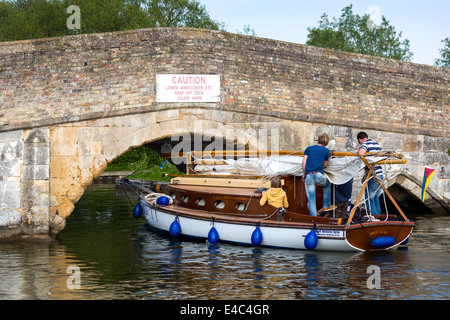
x: 73, y: 78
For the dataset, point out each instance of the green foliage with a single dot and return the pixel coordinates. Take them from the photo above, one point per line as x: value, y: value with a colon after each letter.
x: 355, y: 33
x: 32, y: 19
x: 247, y: 31
x: 444, y: 61
x: 180, y: 13
x: 147, y: 163
x: 134, y: 159
x: 25, y: 19
x: 155, y: 172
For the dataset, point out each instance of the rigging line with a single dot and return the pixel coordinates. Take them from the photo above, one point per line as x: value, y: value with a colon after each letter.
x: 263, y: 180
x: 276, y: 210
x: 126, y: 193
x: 138, y: 169
x: 403, y: 222
x: 414, y: 160
x: 370, y: 240
x: 334, y: 201
x: 385, y: 206
x: 385, y: 178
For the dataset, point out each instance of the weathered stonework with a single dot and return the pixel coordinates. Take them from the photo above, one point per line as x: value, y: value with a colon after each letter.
x: 11, y: 147
x: 67, y: 79
x: 70, y: 105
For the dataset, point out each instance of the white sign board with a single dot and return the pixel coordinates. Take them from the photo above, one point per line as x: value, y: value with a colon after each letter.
x: 330, y: 233
x: 187, y: 88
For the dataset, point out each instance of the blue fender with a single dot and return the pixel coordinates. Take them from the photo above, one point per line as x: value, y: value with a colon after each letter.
x: 311, y: 240
x: 175, y: 228
x: 405, y: 241
x: 213, y: 236
x: 257, y: 237
x: 137, y: 210
x: 162, y: 201
x: 383, y: 242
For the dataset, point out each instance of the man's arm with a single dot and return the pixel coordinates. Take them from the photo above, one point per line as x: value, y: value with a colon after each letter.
x: 263, y: 199
x: 361, y: 151
x: 304, y: 166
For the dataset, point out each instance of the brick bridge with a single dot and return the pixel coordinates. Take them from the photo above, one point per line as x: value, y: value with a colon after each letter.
x: 70, y: 105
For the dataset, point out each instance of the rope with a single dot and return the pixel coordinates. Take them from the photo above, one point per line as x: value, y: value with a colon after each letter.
x: 361, y: 224
x: 126, y: 193
x: 268, y: 217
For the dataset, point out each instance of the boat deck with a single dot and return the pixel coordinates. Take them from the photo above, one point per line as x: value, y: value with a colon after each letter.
x: 291, y: 219
x: 221, y: 191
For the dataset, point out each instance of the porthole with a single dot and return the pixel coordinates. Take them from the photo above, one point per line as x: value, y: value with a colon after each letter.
x: 185, y: 199
x: 219, y: 204
x: 200, y: 202
x: 241, y: 206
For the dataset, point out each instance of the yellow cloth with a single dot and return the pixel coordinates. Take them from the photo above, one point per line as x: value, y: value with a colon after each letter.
x: 276, y: 197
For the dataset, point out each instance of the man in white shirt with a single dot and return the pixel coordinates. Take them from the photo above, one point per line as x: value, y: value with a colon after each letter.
x: 373, y: 190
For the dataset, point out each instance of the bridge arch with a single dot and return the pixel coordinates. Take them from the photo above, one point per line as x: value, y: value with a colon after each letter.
x: 81, y: 151
x: 407, y: 190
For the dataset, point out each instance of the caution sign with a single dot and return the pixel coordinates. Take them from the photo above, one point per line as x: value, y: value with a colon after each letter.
x: 187, y: 88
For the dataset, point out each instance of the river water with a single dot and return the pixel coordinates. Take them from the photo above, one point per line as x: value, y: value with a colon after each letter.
x: 105, y: 253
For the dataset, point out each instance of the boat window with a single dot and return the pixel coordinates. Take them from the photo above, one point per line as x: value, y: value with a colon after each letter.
x: 172, y: 195
x: 219, y: 204
x: 200, y: 202
x: 185, y: 199
x: 241, y: 206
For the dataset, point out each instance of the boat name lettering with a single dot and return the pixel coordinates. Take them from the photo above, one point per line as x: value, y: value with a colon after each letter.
x: 378, y: 232
x: 330, y: 233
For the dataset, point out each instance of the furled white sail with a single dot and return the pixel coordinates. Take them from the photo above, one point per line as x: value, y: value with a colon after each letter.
x: 339, y: 169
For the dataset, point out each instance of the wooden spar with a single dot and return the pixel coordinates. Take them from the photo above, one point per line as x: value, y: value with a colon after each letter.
x: 363, y: 187
x: 391, y: 161
x: 390, y: 197
x: 222, y: 162
x: 224, y: 176
x: 248, y: 153
x: 371, y: 172
x: 211, y: 162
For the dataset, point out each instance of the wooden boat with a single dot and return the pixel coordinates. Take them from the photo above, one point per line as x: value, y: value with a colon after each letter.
x: 226, y: 208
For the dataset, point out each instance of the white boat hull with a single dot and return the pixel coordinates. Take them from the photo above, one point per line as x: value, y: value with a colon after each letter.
x: 240, y: 233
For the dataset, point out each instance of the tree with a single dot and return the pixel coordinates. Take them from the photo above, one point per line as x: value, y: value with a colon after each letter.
x: 180, y: 13
x: 30, y: 19
x: 444, y: 61
x: 25, y: 19
x: 248, y: 31
x: 109, y: 15
x: 355, y: 33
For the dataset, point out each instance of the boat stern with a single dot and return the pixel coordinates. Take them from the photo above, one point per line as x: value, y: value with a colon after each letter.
x: 378, y: 235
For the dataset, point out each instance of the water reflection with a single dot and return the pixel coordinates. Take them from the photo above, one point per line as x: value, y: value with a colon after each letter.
x: 120, y: 258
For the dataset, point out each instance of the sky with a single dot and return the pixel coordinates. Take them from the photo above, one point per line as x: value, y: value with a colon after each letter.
x: 425, y: 23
